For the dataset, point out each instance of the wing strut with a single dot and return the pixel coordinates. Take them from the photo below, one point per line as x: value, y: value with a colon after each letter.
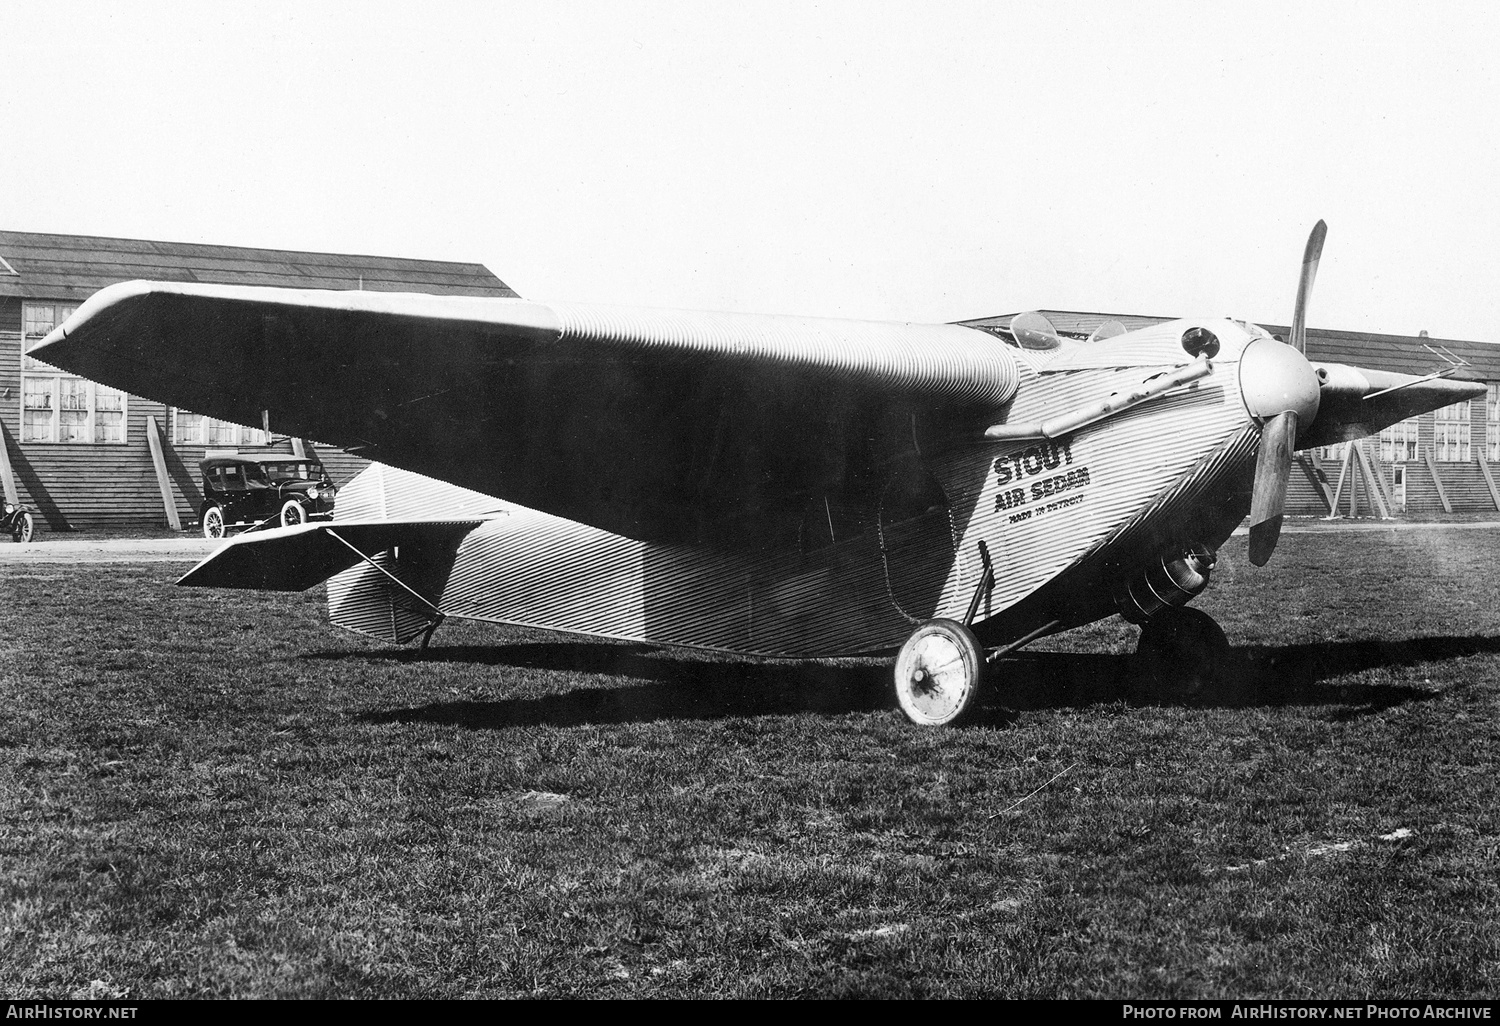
x: 437, y: 615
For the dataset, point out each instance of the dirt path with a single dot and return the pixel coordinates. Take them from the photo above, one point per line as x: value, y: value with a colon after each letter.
x: 108, y: 550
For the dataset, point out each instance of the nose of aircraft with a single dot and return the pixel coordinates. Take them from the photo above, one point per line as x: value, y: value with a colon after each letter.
x: 1281, y: 390
x: 1276, y: 379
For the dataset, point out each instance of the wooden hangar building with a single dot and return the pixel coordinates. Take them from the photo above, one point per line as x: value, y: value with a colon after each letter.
x: 1439, y: 463
x: 81, y: 455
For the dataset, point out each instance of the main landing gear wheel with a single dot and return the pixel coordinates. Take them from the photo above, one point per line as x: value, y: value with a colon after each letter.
x: 213, y: 523
x: 293, y: 514
x: 1181, y: 652
x: 939, y: 674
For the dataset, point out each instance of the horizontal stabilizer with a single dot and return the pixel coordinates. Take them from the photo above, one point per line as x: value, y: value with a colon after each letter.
x: 297, y: 558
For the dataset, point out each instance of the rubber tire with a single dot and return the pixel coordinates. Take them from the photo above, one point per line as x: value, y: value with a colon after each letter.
x: 25, y: 529
x: 292, y: 513
x: 939, y: 674
x: 1181, y: 652
x: 213, y: 523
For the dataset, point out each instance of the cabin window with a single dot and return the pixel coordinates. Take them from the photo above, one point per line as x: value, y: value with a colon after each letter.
x: 1398, y: 443
x: 196, y: 429
x: 1492, y: 424
x: 1450, y: 434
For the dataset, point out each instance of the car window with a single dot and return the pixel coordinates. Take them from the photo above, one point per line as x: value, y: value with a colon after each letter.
x: 294, y: 471
x: 234, y: 477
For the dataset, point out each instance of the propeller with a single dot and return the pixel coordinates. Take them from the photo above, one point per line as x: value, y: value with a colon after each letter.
x: 1288, y: 392
x: 1310, y: 257
x: 1273, y: 469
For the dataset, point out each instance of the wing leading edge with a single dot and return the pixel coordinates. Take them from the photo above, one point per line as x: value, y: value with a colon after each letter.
x: 661, y: 425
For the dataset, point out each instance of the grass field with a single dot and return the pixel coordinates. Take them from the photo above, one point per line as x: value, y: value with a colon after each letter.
x: 217, y: 794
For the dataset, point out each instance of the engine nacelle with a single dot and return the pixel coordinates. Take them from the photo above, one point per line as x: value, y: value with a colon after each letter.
x: 1173, y: 581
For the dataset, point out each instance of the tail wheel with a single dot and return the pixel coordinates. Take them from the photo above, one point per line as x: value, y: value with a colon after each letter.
x: 293, y: 514
x: 213, y: 523
x: 25, y: 528
x: 939, y: 674
x: 1181, y: 652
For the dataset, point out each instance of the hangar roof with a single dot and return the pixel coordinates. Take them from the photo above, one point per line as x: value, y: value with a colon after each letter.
x: 74, y: 267
x: 1402, y: 353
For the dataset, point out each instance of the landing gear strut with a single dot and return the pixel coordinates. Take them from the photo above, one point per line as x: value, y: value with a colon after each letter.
x: 1181, y: 652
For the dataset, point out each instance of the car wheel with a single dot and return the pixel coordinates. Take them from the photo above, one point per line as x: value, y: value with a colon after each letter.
x: 25, y: 528
x: 213, y: 523
x: 293, y: 514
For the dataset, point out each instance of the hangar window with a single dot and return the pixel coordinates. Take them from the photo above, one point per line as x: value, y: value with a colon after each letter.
x: 1398, y: 443
x: 37, y: 319
x: 1450, y: 434
x: 1492, y: 424
x: 58, y: 407
x: 196, y: 429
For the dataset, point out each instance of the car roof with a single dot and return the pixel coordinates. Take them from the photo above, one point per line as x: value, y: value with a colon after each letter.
x: 225, y: 461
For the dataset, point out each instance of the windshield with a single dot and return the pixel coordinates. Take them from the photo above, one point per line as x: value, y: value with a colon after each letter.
x: 294, y: 471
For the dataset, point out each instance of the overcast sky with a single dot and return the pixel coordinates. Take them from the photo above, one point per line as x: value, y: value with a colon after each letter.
x: 923, y: 161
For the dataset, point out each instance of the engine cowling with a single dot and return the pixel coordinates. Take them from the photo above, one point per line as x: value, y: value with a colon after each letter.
x: 1174, y: 580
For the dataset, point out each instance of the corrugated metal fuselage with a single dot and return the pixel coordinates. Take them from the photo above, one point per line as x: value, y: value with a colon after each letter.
x: 1062, y: 518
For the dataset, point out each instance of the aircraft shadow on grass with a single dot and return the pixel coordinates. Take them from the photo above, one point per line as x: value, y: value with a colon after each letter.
x: 662, y: 685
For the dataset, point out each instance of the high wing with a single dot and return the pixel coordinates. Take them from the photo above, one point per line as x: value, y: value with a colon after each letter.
x: 667, y: 426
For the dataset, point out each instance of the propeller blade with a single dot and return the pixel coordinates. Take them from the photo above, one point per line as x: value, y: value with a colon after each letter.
x: 1310, y: 257
x: 1273, y: 469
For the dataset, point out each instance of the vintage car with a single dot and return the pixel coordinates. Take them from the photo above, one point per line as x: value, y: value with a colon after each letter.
x: 240, y: 491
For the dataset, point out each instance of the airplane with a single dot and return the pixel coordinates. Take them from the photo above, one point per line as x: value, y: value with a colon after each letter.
x: 760, y: 485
